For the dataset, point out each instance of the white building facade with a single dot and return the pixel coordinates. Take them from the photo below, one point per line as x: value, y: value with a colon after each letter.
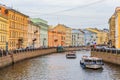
x: 43, y: 31
x: 90, y: 38
x: 77, y: 37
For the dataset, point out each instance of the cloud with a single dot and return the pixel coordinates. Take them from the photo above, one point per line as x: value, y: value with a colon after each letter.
x: 97, y: 13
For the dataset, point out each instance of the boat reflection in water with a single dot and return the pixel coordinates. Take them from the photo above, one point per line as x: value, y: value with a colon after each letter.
x: 91, y: 62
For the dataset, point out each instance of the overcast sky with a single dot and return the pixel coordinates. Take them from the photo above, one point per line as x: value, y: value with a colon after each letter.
x: 73, y: 13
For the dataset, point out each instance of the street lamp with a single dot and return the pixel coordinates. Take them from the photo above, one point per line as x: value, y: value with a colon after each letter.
x: 20, y: 42
x: 110, y: 43
x: 7, y: 48
x: 44, y: 42
x: 34, y: 42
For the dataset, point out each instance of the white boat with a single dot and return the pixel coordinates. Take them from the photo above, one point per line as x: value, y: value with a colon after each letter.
x: 70, y: 55
x: 91, y: 62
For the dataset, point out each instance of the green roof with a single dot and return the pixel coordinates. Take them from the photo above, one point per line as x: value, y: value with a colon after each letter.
x: 38, y: 20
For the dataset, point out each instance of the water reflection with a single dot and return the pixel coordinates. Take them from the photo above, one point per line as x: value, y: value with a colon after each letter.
x: 57, y: 67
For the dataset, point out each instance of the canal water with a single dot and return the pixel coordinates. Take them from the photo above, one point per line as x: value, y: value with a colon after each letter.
x: 57, y: 67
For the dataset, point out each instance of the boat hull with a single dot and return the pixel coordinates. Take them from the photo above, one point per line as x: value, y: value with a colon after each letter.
x: 70, y: 56
x: 91, y: 66
x: 94, y: 66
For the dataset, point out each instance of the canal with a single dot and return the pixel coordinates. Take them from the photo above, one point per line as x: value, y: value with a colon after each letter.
x: 57, y: 67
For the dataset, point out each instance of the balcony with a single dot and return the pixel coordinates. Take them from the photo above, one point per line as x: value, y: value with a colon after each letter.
x: 35, y: 31
x: 34, y: 39
x: 55, y: 40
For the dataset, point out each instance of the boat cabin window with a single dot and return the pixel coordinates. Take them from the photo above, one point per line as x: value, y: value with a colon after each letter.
x: 88, y: 60
x: 99, y: 61
x: 94, y: 61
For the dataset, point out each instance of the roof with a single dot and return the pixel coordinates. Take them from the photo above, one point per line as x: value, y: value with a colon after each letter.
x: 34, y: 24
x: 81, y: 30
x: 89, y: 31
x: 17, y: 11
x: 9, y: 8
x: 39, y: 20
x: 117, y: 9
x: 77, y: 31
x: 63, y: 25
x: 95, y: 30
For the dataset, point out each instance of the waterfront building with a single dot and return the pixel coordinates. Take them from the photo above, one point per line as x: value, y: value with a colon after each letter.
x: 77, y: 37
x: 114, y: 26
x: 67, y: 34
x: 68, y: 38
x: 3, y: 28
x: 54, y: 37
x: 112, y: 31
x: 90, y: 38
x: 98, y: 34
x: 18, y: 27
x: 43, y: 31
x: 33, y: 35
x: 117, y: 27
x: 105, y: 38
x: 100, y: 38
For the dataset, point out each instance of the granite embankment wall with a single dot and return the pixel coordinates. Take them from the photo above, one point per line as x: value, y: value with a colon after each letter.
x: 22, y: 55
x: 111, y: 56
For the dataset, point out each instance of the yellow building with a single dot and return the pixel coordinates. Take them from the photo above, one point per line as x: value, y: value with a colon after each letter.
x: 117, y: 27
x: 18, y: 26
x: 114, y: 23
x: 112, y: 31
x: 104, y: 36
x: 3, y: 31
x: 100, y: 38
x: 68, y: 34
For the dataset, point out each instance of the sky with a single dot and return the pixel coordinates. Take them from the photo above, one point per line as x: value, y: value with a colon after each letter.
x: 72, y: 13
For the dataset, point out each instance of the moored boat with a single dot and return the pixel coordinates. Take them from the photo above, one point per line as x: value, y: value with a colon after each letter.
x: 91, y: 62
x: 70, y: 55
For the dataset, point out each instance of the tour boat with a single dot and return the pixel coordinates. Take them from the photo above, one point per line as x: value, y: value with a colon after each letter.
x: 70, y: 55
x: 91, y: 62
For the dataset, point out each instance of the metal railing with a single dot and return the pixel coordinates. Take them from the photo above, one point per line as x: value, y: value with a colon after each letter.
x: 113, y: 51
x: 5, y: 53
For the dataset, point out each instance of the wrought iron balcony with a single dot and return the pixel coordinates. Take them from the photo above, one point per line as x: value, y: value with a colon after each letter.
x: 35, y: 31
x: 34, y: 39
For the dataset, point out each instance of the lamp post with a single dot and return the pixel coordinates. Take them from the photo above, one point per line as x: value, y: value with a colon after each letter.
x: 7, y: 48
x: 110, y: 43
x: 35, y: 38
x: 34, y: 42
x: 44, y: 42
